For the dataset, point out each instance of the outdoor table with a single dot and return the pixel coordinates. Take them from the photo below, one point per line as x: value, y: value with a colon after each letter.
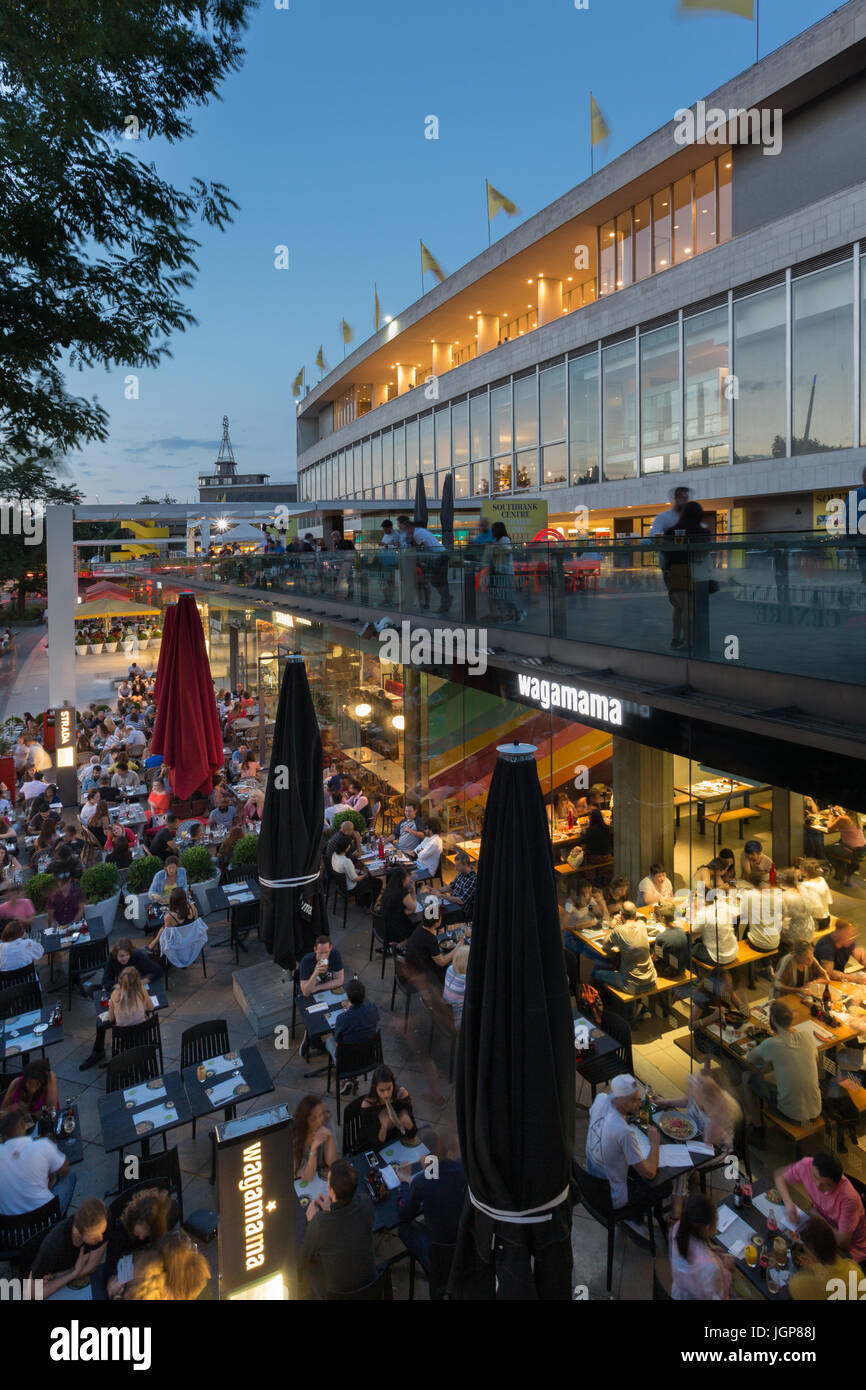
x: 70, y: 1145
x: 54, y: 940
x: 156, y: 992
x: 374, y: 865
x: 385, y: 1214
x: 17, y: 1038
x: 231, y: 898
x: 754, y: 1219
x: 603, y: 1043
x: 318, y: 1021
x: 122, y: 814
x: 246, y: 1068
x: 120, y: 1112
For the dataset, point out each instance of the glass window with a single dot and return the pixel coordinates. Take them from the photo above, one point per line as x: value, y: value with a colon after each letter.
x: 725, y: 163
x: 426, y: 443
x: 759, y: 366
x: 481, y: 478
x: 705, y: 348
x: 388, y: 457
x: 526, y: 473
x: 660, y: 396
x: 555, y: 465
x: 583, y: 418
x: 502, y: 474
x: 619, y: 397
x: 684, y: 244
x: 366, y: 462
x: 705, y: 207
x: 460, y: 431
x: 346, y: 473
x: 642, y: 241
x: 399, y: 434
x: 662, y: 230
x: 377, y: 460
x: 500, y: 418
x: 608, y: 258
x: 461, y: 481
x: 623, y: 250
x: 526, y: 410
x: 442, y: 422
x: 823, y: 360
x: 552, y: 387
x: 411, y: 449
x: 479, y: 426
x: 863, y: 349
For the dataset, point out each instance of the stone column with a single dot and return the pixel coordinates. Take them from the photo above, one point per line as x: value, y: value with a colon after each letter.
x: 549, y: 300
x: 786, y: 826
x: 643, y: 810
x: 415, y: 732
x: 441, y: 359
x: 405, y: 377
x: 487, y: 329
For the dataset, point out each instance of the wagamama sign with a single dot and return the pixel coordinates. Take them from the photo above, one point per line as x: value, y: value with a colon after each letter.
x: 553, y: 695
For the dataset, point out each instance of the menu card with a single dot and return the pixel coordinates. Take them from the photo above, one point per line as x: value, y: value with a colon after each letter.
x: 143, y: 1092
x: 226, y: 1091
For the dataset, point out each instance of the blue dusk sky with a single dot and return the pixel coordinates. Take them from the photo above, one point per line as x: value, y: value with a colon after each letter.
x: 320, y: 139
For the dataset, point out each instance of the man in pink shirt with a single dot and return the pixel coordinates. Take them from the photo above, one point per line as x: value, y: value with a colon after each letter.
x: 832, y: 1196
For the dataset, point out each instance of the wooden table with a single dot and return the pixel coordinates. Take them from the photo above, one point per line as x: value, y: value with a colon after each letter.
x: 715, y: 789
x: 385, y: 768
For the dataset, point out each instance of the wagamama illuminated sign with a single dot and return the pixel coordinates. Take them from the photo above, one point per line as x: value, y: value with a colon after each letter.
x: 554, y: 695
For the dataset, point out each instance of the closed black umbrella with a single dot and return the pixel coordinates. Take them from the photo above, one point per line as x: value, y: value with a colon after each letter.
x: 292, y: 912
x: 515, y: 1073
x: 421, y: 513
x: 446, y: 511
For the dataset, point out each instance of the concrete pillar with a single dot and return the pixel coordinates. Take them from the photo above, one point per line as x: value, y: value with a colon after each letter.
x: 62, y: 594
x: 487, y: 332
x: 415, y: 762
x: 786, y: 826
x: 441, y: 360
x: 643, y: 810
x: 405, y: 377
x: 549, y: 300
x: 380, y: 393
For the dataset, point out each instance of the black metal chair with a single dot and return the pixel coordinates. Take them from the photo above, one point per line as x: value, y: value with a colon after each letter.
x: 379, y: 933
x: 441, y: 1259
x: 352, y: 1143
x: 346, y: 1060
x: 20, y: 999
x: 595, y: 1196
x: 119, y: 1203
x: 296, y: 989
x: 145, y: 1034
x: 442, y: 1022
x: 380, y: 1289
x: 85, y: 958
x: 163, y: 1170
x: 405, y: 986
x: 20, y: 1236
x: 598, y: 1070
x: 131, y: 1068
x: 198, y: 1044
x: 24, y: 976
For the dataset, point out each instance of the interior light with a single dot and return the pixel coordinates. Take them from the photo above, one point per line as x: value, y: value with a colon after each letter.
x: 399, y: 722
x: 362, y: 711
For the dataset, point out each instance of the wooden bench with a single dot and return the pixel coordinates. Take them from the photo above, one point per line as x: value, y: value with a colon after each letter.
x: 799, y: 1133
x: 764, y: 805
x: 747, y: 956
x: 719, y: 818
x: 661, y: 991
x: 680, y: 800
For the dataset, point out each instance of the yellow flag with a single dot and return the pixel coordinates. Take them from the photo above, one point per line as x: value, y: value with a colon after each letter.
x: 320, y: 359
x: 376, y: 310
x: 348, y: 335
x: 600, y: 127
x: 745, y: 8
x: 429, y: 262
x: 298, y: 383
x: 497, y: 202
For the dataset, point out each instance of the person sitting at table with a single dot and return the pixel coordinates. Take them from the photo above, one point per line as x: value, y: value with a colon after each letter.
x: 714, y: 934
x: 34, y: 1089
x: 124, y: 778
x: 699, y: 1270
x: 46, y: 839
x: 88, y: 809
x: 588, y: 801
x: 616, y: 893
x: 793, y: 1056
x: 107, y: 793
x: 66, y: 904
x: 429, y: 852
x: 847, y: 853
x: 239, y: 756
x: 760, y: 912
x: 17, y: 949
x: 655, y: 888
x: 10, y: 867
x: 798, y: 923
x: 828, y: 1272
x: 321, y: 968
x: 816, y: 891
x: 454, y: 988
x: 89, y: 775
x: 174, y: 1271
x: 119, y: 846
x: 836, y: 950
x: 223, y: 815
x: 585, y: 907
x: 671, y: 950
x: 167, y: 879
x: 410, y: 831
x: 833, y: 1197
x: 129, y: 1005
x: 563, y: 806
x: 227, y: 849
x: 122, y: 954
x: 716, y: 1004
x: 457, y: 900
x: 753, y: 860
x: 357, y: 800
x: 32, y: 1171
x: 637, y: 973
x: 249, y: 769
x: 425, y: 960
x: 713, y: 1110
x: 183, y: 934
x: 386, y: 1113
x: 313, y: 1144
x: 597, y: 839
x: 337, y: 1251
x: 164, y: 841
x: 363, y: 885
x: 99, y: 824
x: 718, y: 872
x: 797, y: 971
x: 613, y: 1148
x: 440, y: 1202
x: 159, y: 798
x: 72, y: 1250
x: 358, y: 1020
x: 255, y: 807
x: 147, y: 1217
x: 14, y: 906
x: 398, y: 905
x: 71, y: 839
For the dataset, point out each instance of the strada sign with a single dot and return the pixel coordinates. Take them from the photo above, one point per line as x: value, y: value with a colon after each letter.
x: 557, y: 695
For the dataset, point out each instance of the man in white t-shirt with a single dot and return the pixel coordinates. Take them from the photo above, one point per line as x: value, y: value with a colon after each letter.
x: 33, y: 788
x: 714, y: 935
x: 32, y: 1171
x: 613, y: 1145
x: 429, y: 851
x: 437, y: 566
x: 667, y: 521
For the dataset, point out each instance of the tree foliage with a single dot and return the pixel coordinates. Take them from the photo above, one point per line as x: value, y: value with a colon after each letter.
x: 26, y: 485
x: 96, y: 250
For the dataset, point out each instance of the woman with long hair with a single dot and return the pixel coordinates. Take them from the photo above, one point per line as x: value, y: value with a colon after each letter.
x: 386, y: 1112
x: 100, y: 822
x: 397, y: 904
x: 129, y: 1005
x: 226, y: 849
x: 47, y: 838
x: 700, y: 1271
x: 16, y: 949
x: 9, y: 867
x: 597, y: 839
x: 34, y: 1089
x: 147, y: 1217
x: 159, y: 799
x: 314, y: 1146
x: 182, y: 935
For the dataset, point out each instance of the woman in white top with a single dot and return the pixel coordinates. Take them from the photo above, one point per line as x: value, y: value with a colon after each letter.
x: 714, y: 935
x: 699, y: 1271
x: 655, y: 888
x: 798, y: 923
x: 16, y: 949
x: 761, y: 914
x: 816, y: 891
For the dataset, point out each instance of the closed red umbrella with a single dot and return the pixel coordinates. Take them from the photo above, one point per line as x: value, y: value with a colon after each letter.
x: 187, y: 729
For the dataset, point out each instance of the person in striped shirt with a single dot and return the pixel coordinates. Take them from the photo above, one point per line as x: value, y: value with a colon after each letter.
x: 457, y: 902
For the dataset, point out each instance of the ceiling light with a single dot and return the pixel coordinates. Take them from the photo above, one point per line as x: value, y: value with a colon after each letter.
x: 387, y: 318
x: 399, y: 721
x: 571, y: 277
x: 362, y: 711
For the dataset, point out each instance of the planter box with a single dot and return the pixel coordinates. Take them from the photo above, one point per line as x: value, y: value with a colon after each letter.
x: 80, y: 648
x: 128, y: 645
x: 135, y: 910
x: 96, y: 647
x: 104, y: 912
x: 111, y: 646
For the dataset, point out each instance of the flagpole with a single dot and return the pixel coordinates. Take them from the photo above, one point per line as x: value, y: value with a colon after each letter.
x: 421, y: 254
x: 487, y: 203
x: 757, y: 31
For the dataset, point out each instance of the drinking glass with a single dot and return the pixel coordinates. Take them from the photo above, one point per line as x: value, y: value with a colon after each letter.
x: 751, y: 1255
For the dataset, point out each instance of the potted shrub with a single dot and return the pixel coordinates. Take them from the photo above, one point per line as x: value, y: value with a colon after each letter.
x: 112, y: 640
x: 246, y: 852
x: 143, y: 638
x: 80, y: 644
x: 101, y: 887
x: 201, y: 874
x: 96, y: 643
x: 139, y: 877
x: 39, y: 890
x: 358, y: 822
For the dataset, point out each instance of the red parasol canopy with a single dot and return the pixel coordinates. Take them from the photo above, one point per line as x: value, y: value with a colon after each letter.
x: 105, y: 589
x: 187, y: 730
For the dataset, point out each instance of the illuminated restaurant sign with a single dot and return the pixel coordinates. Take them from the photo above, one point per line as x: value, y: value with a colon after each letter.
x: 64, y: 736
x: 558, y: 695
x: 256, y: 1206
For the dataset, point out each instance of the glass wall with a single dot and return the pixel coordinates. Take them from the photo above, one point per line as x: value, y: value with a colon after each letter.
x: 619, y: 378
x: 583, y: 418
x: 760, y: 426
x: 705, y: 349
x: 660, y: 400
x: 822, y: 313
